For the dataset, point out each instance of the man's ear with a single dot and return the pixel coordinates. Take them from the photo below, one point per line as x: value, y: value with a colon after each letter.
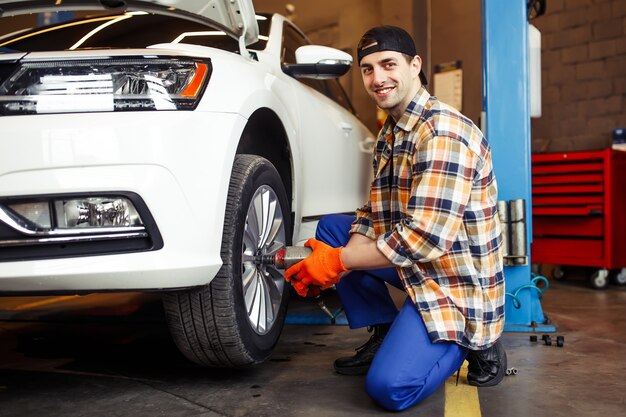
x: 416, y: 66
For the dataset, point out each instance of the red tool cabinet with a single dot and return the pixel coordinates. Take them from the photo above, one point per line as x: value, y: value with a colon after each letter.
x: 579, y: 209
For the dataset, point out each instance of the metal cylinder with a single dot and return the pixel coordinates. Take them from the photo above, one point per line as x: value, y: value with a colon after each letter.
x: 503, y: 215
x: 518, y: 229
x: 295, y: 254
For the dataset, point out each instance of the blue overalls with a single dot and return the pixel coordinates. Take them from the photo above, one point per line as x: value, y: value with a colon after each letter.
x: 408, y: 367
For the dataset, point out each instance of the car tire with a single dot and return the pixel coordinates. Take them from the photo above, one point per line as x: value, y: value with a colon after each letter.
x: 236, y: 320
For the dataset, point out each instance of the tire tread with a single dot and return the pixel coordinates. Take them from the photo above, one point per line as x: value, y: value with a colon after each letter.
x: 202, y: 320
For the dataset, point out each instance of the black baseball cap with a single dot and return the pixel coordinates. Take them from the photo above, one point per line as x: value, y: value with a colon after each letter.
x: 387, y: 38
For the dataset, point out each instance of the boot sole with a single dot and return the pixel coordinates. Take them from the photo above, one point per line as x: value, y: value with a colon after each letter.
x: 353, y: 370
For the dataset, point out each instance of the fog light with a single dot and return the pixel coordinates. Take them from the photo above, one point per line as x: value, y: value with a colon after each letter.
x: 96, y: 212
x: 37, y: 213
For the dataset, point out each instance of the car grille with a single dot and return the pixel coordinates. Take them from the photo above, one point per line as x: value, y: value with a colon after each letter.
x: 6, y: 70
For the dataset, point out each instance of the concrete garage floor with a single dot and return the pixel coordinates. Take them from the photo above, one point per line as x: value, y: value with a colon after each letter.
x: 111, y: 355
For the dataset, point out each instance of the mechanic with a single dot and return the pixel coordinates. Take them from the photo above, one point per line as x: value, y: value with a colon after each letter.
x: 430, y: 228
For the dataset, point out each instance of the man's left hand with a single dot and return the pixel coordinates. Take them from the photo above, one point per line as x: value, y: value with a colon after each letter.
x: 305, y: 290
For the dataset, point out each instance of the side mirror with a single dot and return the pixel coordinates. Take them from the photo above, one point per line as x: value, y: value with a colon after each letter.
x: 321, y: 62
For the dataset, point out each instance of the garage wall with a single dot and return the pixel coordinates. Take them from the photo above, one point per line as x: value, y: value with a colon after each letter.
x: 583, y: 74
x: 456, y: 35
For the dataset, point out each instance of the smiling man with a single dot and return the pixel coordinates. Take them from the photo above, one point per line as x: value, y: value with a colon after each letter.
x: 430, y: 228
x: 394, y: 88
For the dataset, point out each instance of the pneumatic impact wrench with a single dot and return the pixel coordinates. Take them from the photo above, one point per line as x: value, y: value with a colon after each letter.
x: 287, y: 257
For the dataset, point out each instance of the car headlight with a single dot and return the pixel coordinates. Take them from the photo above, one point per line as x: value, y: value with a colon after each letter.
x: 117, y: 84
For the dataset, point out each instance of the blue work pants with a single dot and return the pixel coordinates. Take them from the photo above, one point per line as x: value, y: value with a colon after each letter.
x: 408, y: 367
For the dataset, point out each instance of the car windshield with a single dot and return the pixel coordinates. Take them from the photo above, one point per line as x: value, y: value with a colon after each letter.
x: 132, y: 29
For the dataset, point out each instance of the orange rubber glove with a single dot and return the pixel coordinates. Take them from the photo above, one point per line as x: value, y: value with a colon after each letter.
x: 322, y: 268
x: 304, y: 290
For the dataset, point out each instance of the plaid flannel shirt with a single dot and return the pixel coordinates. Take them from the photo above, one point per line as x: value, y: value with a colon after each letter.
x: 432, y: 210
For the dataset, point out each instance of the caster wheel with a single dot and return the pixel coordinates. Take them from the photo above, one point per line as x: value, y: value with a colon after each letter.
x: 558, y: 273
x: 620, y: 277
x: 599, y: 279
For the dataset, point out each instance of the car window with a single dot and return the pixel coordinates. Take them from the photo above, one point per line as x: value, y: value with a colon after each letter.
x: 122, y: 30
x: 338, y: 94
x: 292, y: 40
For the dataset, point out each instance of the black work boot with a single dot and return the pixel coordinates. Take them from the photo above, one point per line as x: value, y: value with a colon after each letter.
x: 486, y: 367
x: 361, y: 361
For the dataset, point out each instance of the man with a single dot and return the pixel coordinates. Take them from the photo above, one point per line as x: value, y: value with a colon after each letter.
x: 430, y: 227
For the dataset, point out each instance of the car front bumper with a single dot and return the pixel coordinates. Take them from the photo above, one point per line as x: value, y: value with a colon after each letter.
x: 178, y: 163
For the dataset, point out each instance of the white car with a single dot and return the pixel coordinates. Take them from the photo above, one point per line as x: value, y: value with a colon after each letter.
x: 161, y: 146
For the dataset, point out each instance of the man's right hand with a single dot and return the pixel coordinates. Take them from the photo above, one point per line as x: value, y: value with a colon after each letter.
x: 322, y: 268
x: 304, y: 290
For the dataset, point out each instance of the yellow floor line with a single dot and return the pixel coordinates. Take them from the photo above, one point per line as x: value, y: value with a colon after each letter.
x: 461, y: 400
x: 47, y: 301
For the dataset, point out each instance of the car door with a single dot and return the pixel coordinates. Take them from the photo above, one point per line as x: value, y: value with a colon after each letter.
x: 335, y: 147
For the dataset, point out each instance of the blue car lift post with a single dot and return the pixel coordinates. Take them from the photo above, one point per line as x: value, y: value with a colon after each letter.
x: 506, y: 117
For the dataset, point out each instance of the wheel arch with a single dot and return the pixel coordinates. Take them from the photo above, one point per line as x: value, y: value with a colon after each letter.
x: 264, y: 135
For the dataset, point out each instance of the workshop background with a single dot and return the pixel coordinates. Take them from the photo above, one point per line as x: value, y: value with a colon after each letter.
x: 583, y: 57
x: 110, y: 354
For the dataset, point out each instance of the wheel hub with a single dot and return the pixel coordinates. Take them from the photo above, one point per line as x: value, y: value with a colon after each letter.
x: 264, y: 235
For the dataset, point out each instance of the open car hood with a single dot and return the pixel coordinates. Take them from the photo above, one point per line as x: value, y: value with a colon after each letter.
x: 237, y: 16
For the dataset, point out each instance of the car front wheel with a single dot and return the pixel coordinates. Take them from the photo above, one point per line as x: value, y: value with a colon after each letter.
x: 236, y: 319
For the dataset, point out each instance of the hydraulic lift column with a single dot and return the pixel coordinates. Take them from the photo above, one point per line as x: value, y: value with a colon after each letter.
x: 506, y: 123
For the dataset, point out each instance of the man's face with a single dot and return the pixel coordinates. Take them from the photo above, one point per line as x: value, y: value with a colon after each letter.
x: 390, y: 80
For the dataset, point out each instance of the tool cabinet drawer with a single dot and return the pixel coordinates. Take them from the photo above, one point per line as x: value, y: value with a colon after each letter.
x: 568, y: 251
x: 566, y: 166
x: 594, y: 178
x: 579, y: 208
x: 562, y: 226
x: 568, y: 210
x: 567, y: 200
x: 569, y: 189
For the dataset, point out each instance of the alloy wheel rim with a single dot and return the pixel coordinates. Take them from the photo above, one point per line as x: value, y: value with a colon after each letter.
x: 264, y: 234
